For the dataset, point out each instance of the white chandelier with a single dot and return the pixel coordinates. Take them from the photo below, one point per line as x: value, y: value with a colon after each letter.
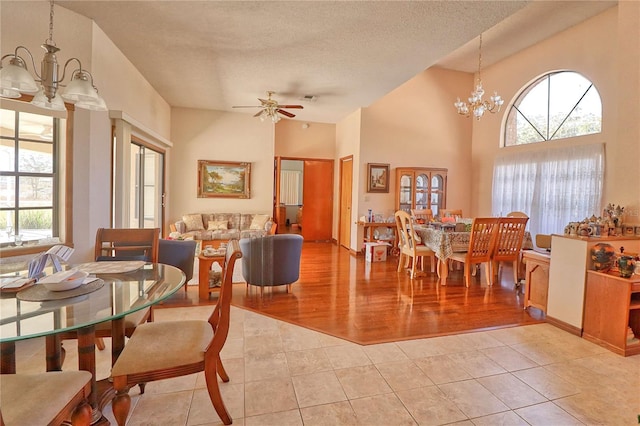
x: 477, y: 105
x: 16, y: 80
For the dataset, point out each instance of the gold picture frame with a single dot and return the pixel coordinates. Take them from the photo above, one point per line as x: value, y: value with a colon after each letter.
x: 377, y: 177
x: 224, y: 179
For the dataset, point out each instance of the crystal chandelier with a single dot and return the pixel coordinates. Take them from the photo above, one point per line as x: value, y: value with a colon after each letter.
x: 477, y: 105
x: 16, y: 80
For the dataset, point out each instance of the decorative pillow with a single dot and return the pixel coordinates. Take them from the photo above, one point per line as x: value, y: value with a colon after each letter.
x: 259, y: 222
x: 215, y: 225
x: 193, y: 222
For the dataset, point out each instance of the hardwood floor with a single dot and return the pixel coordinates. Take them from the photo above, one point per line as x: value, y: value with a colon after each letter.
x: 368, y: 303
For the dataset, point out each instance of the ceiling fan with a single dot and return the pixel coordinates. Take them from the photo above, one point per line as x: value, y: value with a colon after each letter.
x: 270, y: 108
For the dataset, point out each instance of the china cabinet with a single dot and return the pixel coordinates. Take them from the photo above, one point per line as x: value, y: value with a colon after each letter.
x: 421, y: 188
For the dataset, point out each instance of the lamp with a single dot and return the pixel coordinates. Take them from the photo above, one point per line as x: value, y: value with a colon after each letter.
x: 477, y: 106
x: 15, y: 79
x: 269, y: 112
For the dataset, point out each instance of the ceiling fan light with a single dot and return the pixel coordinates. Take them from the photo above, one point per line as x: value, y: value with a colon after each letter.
x: 80, y: 88
x: 15, y: 77
x: 41, y: 101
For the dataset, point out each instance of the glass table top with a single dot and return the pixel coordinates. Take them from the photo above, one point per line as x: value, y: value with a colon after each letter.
x: 120, y: 295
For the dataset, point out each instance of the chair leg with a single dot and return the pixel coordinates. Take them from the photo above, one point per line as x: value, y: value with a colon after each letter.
x: 121, y: 405
x: 221, y: 371
x: 401, y: 262
x: 515, y: 272
x: 414, y: 265
x: 432, y: 260
x: 487, y: 269
x: 211, y: 378
x: 81, y: 414
x: 467, y: 274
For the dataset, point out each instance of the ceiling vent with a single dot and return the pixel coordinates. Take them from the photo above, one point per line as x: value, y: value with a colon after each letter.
x: 309, y: 98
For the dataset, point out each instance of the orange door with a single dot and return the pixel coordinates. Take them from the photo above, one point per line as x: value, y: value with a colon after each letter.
x: 346, y: 184
x: 317, y: 211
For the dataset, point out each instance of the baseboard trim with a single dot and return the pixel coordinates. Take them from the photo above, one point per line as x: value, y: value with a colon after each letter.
x: 564, y: 326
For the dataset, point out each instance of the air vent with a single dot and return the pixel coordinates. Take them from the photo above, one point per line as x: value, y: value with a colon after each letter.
x: 309, y: 98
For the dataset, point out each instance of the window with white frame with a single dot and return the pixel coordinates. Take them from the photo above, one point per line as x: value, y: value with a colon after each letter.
x: 30, y: 182
x: 558, y: 105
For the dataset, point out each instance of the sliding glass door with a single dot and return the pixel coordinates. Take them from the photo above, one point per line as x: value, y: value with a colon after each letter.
x: 147, y: 177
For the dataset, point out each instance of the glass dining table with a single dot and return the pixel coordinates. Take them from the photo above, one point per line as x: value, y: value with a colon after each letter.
x: 29, y: 313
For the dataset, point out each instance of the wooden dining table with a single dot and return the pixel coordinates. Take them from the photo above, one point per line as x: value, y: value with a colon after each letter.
x: 444, y: 243
x: 116, y: 295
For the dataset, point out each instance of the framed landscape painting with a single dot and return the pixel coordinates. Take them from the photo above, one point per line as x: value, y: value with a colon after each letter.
x: 377, y: 177
x: 224, y: 179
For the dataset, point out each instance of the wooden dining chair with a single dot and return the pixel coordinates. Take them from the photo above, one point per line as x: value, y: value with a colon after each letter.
x: 484, y: 234
x: 166, y: 349
x: 127, y: 244
x: 509, y: 244
x: 51, y: 398
x: 450, y: 213
x: 121, y: 244
x: 422, y: 215
x: 409, y: 245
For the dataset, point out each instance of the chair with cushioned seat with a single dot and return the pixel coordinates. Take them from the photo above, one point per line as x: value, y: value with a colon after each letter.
x: 127, y: 244
x: 50, y: 398
x: 272, y: 260
x: 409, y: 245
x: 178, y: 253
x: 166, y: 349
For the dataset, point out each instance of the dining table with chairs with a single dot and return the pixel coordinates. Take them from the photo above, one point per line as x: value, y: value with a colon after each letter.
x: 445, y: 242
x: 111, y: 295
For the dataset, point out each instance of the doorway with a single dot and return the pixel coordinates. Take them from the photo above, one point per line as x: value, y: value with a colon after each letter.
x: 303, y: 201
x: 346, y: 193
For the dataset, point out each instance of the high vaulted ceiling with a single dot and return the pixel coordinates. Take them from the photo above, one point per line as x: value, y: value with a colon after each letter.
x: 216, y: 54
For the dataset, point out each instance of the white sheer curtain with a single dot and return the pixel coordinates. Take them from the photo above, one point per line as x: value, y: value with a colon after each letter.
x: 553, y: 186
x: 290, y: 187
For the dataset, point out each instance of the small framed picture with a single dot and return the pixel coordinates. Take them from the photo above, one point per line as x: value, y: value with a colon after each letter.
x: 377, y: 177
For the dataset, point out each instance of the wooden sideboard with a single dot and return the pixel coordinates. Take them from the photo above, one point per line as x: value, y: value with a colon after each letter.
x: 612, y: 305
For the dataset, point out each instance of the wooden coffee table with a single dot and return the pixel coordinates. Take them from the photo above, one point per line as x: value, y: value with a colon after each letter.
x: 203, y: 274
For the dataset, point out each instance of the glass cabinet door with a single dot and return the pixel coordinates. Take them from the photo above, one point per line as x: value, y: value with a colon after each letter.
x: 422, y: 191
x: 406, y: 192
x: 437, y: 195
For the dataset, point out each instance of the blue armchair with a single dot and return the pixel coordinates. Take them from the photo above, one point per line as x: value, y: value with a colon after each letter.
x: 178, y: 253
x: 272, y: 260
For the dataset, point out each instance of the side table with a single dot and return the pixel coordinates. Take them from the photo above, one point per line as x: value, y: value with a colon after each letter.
x: 203, y: 273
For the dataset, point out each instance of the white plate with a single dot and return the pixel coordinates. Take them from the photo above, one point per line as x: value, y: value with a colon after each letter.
x: 65, y: 280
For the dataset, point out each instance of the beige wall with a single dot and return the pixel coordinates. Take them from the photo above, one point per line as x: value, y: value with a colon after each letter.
x: 318, y: 140
x: 596, y: 50
x: 219, y: 136
x: 348, y: 136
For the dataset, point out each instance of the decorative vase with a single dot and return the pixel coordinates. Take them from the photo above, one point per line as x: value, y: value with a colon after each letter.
x: 602, y: 256
x: 626, y: 265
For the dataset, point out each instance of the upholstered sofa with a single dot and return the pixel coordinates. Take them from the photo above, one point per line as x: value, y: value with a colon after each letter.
x: 222, y: 226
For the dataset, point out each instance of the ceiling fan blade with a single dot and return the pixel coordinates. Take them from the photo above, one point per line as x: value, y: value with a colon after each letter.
x: 285, y: 113
x: 291, y: 106
x: 258, y: 114
x: 247, y: 106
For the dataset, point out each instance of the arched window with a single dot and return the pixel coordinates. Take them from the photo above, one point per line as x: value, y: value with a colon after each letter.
x: 558, y: 105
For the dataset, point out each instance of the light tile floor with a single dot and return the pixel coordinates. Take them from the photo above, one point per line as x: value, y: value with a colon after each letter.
x: 282, y: 375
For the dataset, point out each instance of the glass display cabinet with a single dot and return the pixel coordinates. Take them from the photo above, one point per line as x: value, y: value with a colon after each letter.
x: 421, y: 188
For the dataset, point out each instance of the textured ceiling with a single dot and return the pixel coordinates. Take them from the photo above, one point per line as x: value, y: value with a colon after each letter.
x: 216, y: 54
